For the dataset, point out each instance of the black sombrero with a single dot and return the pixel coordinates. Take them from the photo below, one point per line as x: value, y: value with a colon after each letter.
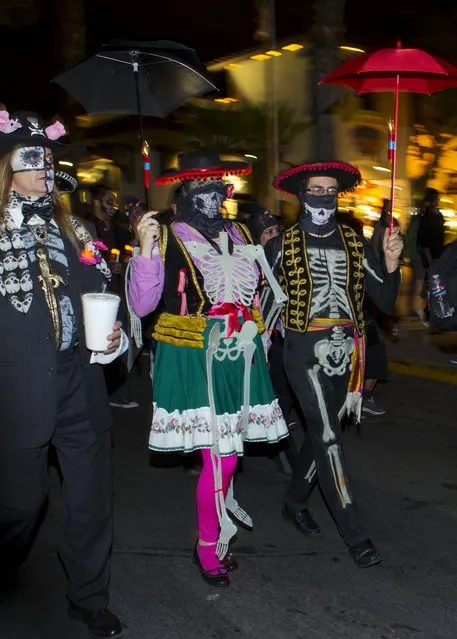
x: 203, y: 165
x: 65, y: 183
x: 25, y: 128
x: 348, y: 176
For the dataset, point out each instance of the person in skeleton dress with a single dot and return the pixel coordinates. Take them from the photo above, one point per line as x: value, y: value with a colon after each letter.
x: 52, y: 390
x: 211, y: 387
x: 324, y: 269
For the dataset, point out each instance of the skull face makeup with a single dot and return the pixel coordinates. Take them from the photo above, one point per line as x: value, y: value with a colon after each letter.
x: 109, y: 204
x: 33, y: 171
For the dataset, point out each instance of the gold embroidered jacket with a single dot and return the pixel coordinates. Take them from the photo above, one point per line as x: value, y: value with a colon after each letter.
x: 296, y: 281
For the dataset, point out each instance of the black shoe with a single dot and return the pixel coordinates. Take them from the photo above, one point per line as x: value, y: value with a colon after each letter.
x: 217, y: 577
x: 100, y: 623
x: 230, y: 563
x: 370, y: 406
x: 302, y: 520
x: 365, y: 554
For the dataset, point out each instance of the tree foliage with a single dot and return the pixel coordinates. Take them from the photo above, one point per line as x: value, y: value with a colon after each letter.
x: 241, y: 131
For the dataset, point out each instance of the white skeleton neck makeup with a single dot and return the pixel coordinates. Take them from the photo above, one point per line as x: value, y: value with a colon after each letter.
x: 34, y: 158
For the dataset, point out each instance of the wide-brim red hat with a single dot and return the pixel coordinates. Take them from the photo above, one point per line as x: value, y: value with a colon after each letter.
x: 347, y: 176
x: 203, y: 165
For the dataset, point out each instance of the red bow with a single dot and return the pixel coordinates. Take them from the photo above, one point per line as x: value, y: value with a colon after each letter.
x: 231, y: 309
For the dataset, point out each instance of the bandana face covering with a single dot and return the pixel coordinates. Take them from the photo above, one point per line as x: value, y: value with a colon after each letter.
x: 318, y: 213
x: 201, y: 208
x: 34, y: 158
x: 208, y: 200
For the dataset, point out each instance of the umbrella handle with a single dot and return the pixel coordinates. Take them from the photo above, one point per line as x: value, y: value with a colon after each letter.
x: 135, y: 67
x: 394, y: 155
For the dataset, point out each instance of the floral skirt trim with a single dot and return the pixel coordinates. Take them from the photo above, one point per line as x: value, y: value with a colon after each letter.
x: 190, y: 430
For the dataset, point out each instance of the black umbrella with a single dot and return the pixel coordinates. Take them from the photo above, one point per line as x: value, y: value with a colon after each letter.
x: 143, y: 78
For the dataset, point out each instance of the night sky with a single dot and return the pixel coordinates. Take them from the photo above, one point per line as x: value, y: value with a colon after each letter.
x: 214, y: 29
x: 219, y: 28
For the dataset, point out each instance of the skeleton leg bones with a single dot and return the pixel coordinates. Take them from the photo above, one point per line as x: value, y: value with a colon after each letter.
x: 321, y: 456
x: 243, y: 343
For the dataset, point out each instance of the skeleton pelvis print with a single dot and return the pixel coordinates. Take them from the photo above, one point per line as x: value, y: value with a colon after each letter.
x: 334, y: 353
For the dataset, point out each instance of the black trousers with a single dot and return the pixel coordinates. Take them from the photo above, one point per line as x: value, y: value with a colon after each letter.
x: 321, y: 457
x: 283, y: 392
x: 278, y: 376
x: 86, y: 502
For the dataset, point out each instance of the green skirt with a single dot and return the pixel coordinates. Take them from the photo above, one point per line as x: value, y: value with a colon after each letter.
x: 182, y: 419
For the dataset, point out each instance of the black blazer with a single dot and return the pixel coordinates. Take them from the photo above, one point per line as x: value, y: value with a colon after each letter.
x: 28, y: 363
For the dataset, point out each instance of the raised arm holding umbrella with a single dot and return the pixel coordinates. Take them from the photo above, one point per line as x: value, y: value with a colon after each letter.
x: 395, y: 70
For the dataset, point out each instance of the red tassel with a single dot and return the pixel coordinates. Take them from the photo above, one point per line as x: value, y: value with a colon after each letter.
x: 146, y: 165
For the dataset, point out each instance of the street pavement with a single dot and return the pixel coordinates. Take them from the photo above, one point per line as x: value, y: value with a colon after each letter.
x: 405, y: 476
x: 425, y: 353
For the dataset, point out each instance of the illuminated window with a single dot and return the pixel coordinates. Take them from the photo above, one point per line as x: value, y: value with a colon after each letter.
x: 292, y: 47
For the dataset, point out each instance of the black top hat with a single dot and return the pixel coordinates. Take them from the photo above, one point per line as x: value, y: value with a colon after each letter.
x: 65, y: 183
x: 347, y: 176
x: 25, y: 128
x: 203, y: 165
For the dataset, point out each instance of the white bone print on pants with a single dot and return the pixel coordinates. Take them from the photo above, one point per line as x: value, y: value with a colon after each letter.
x: 328, y: 435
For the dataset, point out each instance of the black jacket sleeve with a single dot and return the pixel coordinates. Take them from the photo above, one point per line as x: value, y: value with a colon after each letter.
x: 272, y: 250
x: 380, y: 286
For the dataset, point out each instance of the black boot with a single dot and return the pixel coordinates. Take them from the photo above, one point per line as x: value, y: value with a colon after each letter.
x: 101, y: 624
x: 365, y: 554
x: 302, y: 520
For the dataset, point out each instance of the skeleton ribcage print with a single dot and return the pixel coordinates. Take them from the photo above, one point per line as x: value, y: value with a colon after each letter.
x: 328, y: 271
x: 227, y: 278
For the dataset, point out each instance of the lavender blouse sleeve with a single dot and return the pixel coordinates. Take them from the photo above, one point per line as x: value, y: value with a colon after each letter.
x: 146, y: 283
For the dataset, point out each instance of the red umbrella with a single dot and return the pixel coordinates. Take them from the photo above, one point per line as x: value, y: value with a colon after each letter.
x: 407, y: 70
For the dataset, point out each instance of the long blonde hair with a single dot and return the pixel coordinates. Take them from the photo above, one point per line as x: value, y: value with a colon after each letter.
x: 61, y: 214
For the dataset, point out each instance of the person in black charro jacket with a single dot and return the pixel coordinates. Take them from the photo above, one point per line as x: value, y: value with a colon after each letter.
x: 52, y: 390
x: 324, y: 269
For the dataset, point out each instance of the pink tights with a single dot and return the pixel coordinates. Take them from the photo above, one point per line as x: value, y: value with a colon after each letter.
x: 208, y: 523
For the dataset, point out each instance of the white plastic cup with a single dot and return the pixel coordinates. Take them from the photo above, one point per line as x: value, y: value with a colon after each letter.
x: 100, y: 314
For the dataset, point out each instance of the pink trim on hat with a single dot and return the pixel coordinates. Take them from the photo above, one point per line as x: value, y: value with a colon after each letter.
x: 7, y: 125
x: 201, y: 174
x: 315, y: 166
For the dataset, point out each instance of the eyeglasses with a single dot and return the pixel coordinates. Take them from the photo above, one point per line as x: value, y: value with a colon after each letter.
x: 321, y: 190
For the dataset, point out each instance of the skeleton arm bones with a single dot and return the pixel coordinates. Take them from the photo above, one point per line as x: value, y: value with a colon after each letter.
x: 274, y: 289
